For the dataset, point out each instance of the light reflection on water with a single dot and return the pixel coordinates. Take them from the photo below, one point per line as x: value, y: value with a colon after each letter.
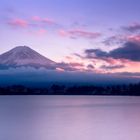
x: 69, y: 118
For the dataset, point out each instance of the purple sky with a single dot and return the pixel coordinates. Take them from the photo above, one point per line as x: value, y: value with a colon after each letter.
x: 72, y: 30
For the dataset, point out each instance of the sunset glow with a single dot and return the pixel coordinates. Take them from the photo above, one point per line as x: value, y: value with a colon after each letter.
x: 87, y: 35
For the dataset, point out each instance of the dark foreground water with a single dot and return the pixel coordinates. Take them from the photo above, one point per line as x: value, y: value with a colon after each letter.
x: 69, y: 118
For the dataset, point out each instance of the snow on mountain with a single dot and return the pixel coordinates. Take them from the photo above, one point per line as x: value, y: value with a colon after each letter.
x: 25, y: 56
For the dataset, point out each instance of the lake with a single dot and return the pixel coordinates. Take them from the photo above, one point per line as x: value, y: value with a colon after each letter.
x: 69, y: 118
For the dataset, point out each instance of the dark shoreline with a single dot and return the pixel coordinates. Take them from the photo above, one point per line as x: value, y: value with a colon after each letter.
x: 112, y: 90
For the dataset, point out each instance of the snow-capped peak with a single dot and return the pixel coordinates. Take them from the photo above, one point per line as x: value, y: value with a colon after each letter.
x: 25, y: 56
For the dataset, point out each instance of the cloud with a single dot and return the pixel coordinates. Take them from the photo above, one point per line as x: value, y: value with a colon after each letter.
x: 114, y: 40
x: 72, y: 66
x: 76, y: 63
x: 129, y: 33
x: 90, y: 67
x: 79, y: 34
x: 135, y: 27
x: 84, y: 34
x: 130, y: 74
x: 32, y: 23
x: 43, y: 20
x: 112, y: 67
x: 95, y: 53
x: 43, y: 77
x: 130, y: 51
x: 18, y: 23
x: 134, y: 38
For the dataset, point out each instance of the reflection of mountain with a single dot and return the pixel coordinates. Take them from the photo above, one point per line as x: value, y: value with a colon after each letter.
x: 25, y: 56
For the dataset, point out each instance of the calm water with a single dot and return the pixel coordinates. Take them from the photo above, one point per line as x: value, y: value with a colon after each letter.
x: 69, y: 118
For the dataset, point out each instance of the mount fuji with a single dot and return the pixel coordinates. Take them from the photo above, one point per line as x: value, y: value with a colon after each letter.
x: 23, y: 56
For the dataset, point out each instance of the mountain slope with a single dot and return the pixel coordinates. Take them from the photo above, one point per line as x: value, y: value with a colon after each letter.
x: 25, y: 56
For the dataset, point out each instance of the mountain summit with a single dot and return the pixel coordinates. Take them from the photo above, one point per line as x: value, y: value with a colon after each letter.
x: 25, y: 56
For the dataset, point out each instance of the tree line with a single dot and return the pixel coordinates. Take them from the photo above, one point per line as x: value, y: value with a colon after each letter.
x: 111, y: 90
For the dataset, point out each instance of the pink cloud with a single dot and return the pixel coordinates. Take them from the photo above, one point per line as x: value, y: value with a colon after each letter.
x: 84, y: 34
x: 60, y: 69
x: 35, y: 25
x: 100, y: 65
x: 71, y: 66
x: 134, y: 38
x: 111, y: 61
x: 18, y: 23
x: 43, y: 20
x: 76, y: 64
x: 79, y: 34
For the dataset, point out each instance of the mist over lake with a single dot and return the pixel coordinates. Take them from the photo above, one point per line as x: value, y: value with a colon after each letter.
x: 43, y: 77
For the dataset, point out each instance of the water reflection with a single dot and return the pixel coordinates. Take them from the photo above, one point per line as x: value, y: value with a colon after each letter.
x: 69, y: 118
